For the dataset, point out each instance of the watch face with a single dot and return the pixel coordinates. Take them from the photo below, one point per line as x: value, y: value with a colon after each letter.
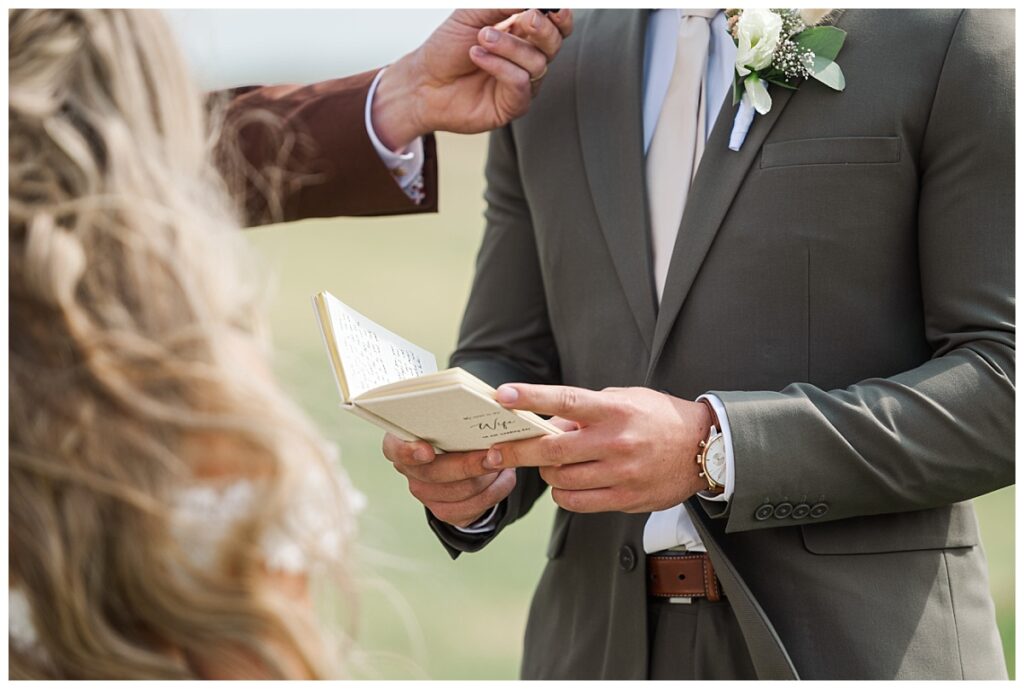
x: 714, y: 461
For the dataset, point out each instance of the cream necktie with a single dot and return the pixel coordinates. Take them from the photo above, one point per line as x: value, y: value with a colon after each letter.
x: 678, y: 140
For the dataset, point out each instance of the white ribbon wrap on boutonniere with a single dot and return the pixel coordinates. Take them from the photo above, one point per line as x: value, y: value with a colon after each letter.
x: 781, y: 47
x: 741, y: 125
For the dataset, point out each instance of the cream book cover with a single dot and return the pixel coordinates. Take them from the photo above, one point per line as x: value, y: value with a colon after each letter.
x: 394, y: 384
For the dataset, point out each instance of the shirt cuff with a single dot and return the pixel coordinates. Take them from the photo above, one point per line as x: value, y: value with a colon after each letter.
x: 407, y: 166
x: 484, y: 524
x: 730, y: 462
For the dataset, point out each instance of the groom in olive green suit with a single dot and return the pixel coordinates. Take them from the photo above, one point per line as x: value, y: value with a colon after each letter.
x: 842, y: 289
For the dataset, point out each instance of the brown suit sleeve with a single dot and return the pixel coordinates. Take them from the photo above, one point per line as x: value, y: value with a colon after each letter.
x: 292, y: 152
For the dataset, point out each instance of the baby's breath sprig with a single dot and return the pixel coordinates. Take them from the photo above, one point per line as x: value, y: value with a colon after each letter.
x: 792, y: 23
x: 793, y: 60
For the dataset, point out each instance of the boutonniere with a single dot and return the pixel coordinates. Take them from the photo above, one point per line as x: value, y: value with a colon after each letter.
x: 780, y: 47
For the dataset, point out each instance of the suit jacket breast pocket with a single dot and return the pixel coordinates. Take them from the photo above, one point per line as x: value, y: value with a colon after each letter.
x: 848, y: 150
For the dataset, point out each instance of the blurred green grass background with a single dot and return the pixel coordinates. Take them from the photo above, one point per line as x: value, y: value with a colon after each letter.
x: 422, y: 615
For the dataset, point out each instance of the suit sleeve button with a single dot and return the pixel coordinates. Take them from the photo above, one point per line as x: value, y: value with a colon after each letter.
x: 783, y: 510
x: 801, y: 511
x: 764, y: 512
x: 819, y: 510
x: 627, y: 558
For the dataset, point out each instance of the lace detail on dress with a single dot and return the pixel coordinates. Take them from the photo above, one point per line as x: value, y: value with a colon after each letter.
x: 19, y: 620
x: 20, y: 627
x: 312, y: 529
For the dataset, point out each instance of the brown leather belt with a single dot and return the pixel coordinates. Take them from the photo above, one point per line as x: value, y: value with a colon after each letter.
x: 687, y: 575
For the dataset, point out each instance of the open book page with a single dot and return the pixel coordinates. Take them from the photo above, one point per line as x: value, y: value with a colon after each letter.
x: 450, y: 376
x: 370, y: 355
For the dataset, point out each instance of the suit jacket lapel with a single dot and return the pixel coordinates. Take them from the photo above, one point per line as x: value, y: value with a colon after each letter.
x: 609, y: 97
x: 718, y: 179
x: 767, y: 652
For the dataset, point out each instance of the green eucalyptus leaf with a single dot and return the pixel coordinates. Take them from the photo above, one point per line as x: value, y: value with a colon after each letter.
x: 823, y: 41
x: 737, y: 88
x: 828, y: 73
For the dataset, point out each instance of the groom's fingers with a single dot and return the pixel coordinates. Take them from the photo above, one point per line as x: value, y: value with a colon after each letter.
x: 547, y: 450
x: 581, y: 476
x: 599, y: 500
x: 447, y: 468
x: 564, y: 424
x: 456, y: 491
x: 466, y: 512
x: 575, y: 404
x: 406, y: 452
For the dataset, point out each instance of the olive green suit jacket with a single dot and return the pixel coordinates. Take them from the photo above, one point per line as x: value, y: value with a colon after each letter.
x: 844, y: 283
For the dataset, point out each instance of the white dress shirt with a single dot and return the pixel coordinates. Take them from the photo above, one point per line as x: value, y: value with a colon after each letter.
x: 672, y: 528
x: 669, y: 528
x: 405, y: 166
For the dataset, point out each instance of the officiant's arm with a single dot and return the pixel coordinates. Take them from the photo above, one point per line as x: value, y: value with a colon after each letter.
x: 295, y: 152
x: 300, y: 152
x: 363, y: 145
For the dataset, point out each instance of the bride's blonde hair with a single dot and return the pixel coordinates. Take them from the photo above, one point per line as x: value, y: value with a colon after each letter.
x: 136, y: 357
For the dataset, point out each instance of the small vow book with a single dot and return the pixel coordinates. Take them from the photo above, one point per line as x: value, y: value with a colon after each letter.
x: 396, y: 385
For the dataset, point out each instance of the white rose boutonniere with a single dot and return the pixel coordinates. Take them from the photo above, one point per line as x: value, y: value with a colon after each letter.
x: 757, y: 34
x: 778, y: 47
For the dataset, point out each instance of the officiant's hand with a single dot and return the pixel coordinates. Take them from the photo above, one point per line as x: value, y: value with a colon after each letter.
x: 455, y: 486
x: 632, y: 450
x: 478, y: 70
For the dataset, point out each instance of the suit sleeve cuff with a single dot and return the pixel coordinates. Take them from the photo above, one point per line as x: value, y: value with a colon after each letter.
x: 730, y: 461
x: 485, y: 524
x: 406, y: 167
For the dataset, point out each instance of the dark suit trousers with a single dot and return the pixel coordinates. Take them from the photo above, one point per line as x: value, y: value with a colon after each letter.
x: 700, y: 640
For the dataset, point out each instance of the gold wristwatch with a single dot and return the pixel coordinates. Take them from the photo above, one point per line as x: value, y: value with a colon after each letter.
x: 711, y: 458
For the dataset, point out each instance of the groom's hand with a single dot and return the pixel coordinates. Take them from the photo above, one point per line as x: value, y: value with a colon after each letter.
x: 471, y: 75
x: 455, y: 486
x: 632, y: 450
